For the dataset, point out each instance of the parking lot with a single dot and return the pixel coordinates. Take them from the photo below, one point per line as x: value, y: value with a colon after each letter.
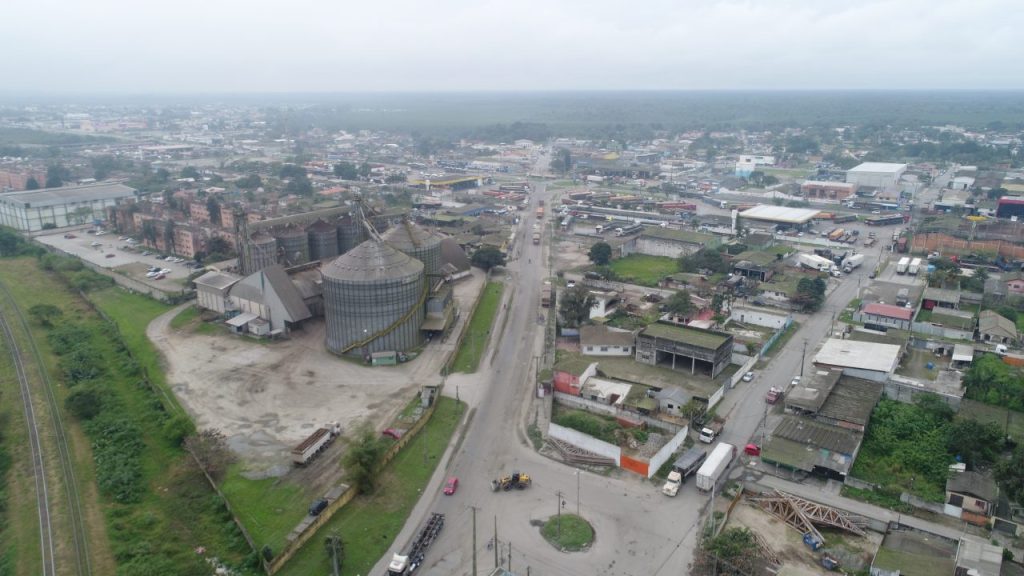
x: 109, y: 251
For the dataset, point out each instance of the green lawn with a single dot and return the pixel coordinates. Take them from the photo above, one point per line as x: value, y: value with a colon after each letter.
x: 643, y: 270
x: 479, y: 330
x: 269, y: 508
x: 369, y: 524
x: 184, y: 318
x: 568, y: 532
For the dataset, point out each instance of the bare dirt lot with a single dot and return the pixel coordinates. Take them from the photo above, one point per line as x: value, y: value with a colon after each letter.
x: 266, y: 397
x: 797, y: 559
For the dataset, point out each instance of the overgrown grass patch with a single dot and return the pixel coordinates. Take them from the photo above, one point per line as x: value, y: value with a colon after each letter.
x: 568, y: 532
x: 642, y: 269
x: 369, y: 524
x: 479, y: 330
x: 185, y: 317
x: 269, y: 508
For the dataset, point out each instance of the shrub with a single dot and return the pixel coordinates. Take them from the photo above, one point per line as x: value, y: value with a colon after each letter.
x: 84, y: 402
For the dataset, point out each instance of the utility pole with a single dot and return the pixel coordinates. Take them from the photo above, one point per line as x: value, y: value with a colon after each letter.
x: 578, y: 474
x: 495, y: 540
x: 559, y: 513
x: 803, y: 358
x: 474, y: 540
x: 509, y: 555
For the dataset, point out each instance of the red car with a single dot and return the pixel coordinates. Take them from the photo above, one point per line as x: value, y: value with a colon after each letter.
x: 752, y: 450
x: 395, y: 433
x: 451, y: 486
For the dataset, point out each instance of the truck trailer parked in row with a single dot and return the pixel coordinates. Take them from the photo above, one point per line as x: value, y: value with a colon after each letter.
x: 684, y: 466
x: 902, y: 265
x: 915, y: 266
x: 714, y: 467
x: 403, y: 564
x: 852, y: 262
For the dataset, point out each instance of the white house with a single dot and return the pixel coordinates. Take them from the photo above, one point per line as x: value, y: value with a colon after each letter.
x: 605, y: 341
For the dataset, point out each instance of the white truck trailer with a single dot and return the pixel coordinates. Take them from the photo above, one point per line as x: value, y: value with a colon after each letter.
x: 713, y: 468
x: 814, y: 262
x: 852, y: 262
x: 915, y: 266
x: 902, y: 265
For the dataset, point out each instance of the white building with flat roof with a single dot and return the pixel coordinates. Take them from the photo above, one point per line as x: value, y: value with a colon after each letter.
x: 30, y: 210
x: 867, y: 360
x: 882, y: 175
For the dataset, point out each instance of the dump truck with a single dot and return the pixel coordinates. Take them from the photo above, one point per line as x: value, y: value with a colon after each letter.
x: 902, y: 265
x: 516, y: 480
x: 315, y: 443
x: 852, y: 262
x: 403, y: 564
x: 712, y: 429
x: 713, y: 468
x: 836, y: 234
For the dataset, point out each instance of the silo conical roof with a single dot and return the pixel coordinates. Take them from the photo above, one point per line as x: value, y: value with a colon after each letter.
x: 372, y: 261
x: 409, y: 237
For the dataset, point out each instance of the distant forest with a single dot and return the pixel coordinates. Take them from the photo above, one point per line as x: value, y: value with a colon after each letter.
x: 641, y: 115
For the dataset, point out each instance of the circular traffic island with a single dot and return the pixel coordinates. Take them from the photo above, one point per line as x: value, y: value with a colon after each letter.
x: 568, y: 533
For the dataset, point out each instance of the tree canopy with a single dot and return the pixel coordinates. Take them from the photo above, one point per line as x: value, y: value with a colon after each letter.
x: 488, y: 257
x: 574, y: 306
x: 680, y: 304
x: 600, y: 253
x: 704, y: 259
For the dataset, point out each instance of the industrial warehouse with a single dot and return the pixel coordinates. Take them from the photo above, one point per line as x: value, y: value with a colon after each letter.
x: 381, y: 294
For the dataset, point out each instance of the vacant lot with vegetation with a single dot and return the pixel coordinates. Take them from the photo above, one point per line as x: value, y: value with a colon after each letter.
x: 156, y: 503
x: 643, y: 270
x: 479, y: 330
x: 568, y: 532
x: 369, y: 524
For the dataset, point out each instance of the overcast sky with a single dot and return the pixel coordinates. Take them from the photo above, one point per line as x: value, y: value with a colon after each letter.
x: 187, y: 46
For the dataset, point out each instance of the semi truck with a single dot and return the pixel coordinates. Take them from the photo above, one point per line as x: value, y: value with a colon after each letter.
x: 814, y: 262
x: 315, y: 443
x: 403, y: 564
x: 902, y: 265
x: 903, y: 297
x: 712, y: 429
x: 684, y: 466
x: 852, y: 262
x: 713, y: 468
x: 915, y: 266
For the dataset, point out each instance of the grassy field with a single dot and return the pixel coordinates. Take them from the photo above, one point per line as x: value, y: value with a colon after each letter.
x: 643, y: 270
x: 19, y: 522
x: 184, y: 318
x: 268, y: 508
x: 177, y: 510
x: 479, y: 330
x: 369, y: 524
x: 568, y: 532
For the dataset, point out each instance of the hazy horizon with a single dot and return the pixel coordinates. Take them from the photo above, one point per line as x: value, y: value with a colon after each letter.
x: 456, y: 46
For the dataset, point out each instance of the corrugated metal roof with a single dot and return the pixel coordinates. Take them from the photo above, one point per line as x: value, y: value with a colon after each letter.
x: 858, y: 355
x: 68, y: 194
x: 889, y: 311
x: 809, y: 432
x: 372, y: 261
x: 255, y: 286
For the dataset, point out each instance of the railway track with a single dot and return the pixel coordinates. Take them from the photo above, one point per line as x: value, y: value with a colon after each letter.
x: 76, y: 522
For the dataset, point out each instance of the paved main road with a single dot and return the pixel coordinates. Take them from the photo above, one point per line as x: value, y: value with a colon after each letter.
x: 639, y: 530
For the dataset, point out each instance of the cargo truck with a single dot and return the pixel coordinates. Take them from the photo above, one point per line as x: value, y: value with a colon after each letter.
x: 402, y: 564
x: 684, y: 466
x: 536, y: 237
x: 315, y: 443
x: 915, y: 266
x: 903, y: 297
x: 836, y: 234
x: 814, y: 262
x: 852, y: 262
x: 713, y: 468
x: 902, y: 265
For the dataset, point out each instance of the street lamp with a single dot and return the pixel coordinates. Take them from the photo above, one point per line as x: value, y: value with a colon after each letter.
x: 578, y: 491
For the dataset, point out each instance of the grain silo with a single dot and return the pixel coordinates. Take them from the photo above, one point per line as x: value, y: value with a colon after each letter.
x: 373, y: 293
x: 418, y: 243
x: 350, y: 233
x: 260, y: 251
x: 323, y: 240
x: 293, y: 245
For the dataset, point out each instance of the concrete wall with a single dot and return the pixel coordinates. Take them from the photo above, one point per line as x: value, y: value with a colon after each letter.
x: 716, y: 397
x: 585, y: 442
x: 942, y: 331
x: 906, y: 391
x: 666, y: 451
x: 659, y: 247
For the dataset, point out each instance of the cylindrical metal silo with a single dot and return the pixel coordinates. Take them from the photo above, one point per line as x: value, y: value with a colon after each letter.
x: 418, y: 243
x: 293, y: 244
x: 373, y: 293
x: 323, y: 240
x: 350, y: 233
x: 260, y: 252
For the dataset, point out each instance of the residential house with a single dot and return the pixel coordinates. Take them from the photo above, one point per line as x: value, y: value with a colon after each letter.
x: 1014, y: 282
x: 672, y: 399
x: 605, y: 341
x: 885, y: 316
x: 973, y: 492
x: 996, y: 329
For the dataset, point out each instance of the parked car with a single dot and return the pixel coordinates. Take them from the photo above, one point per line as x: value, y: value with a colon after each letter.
x: 395, y: 433
x: 318, y: 506
x: 752, y: 450
x: 773, y: 395
x: 160, y: 277
x: 794, y: 381
x: 451, y: 486
x: 748, y: 376
x: 111, y: 255
x: 570, y: 283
